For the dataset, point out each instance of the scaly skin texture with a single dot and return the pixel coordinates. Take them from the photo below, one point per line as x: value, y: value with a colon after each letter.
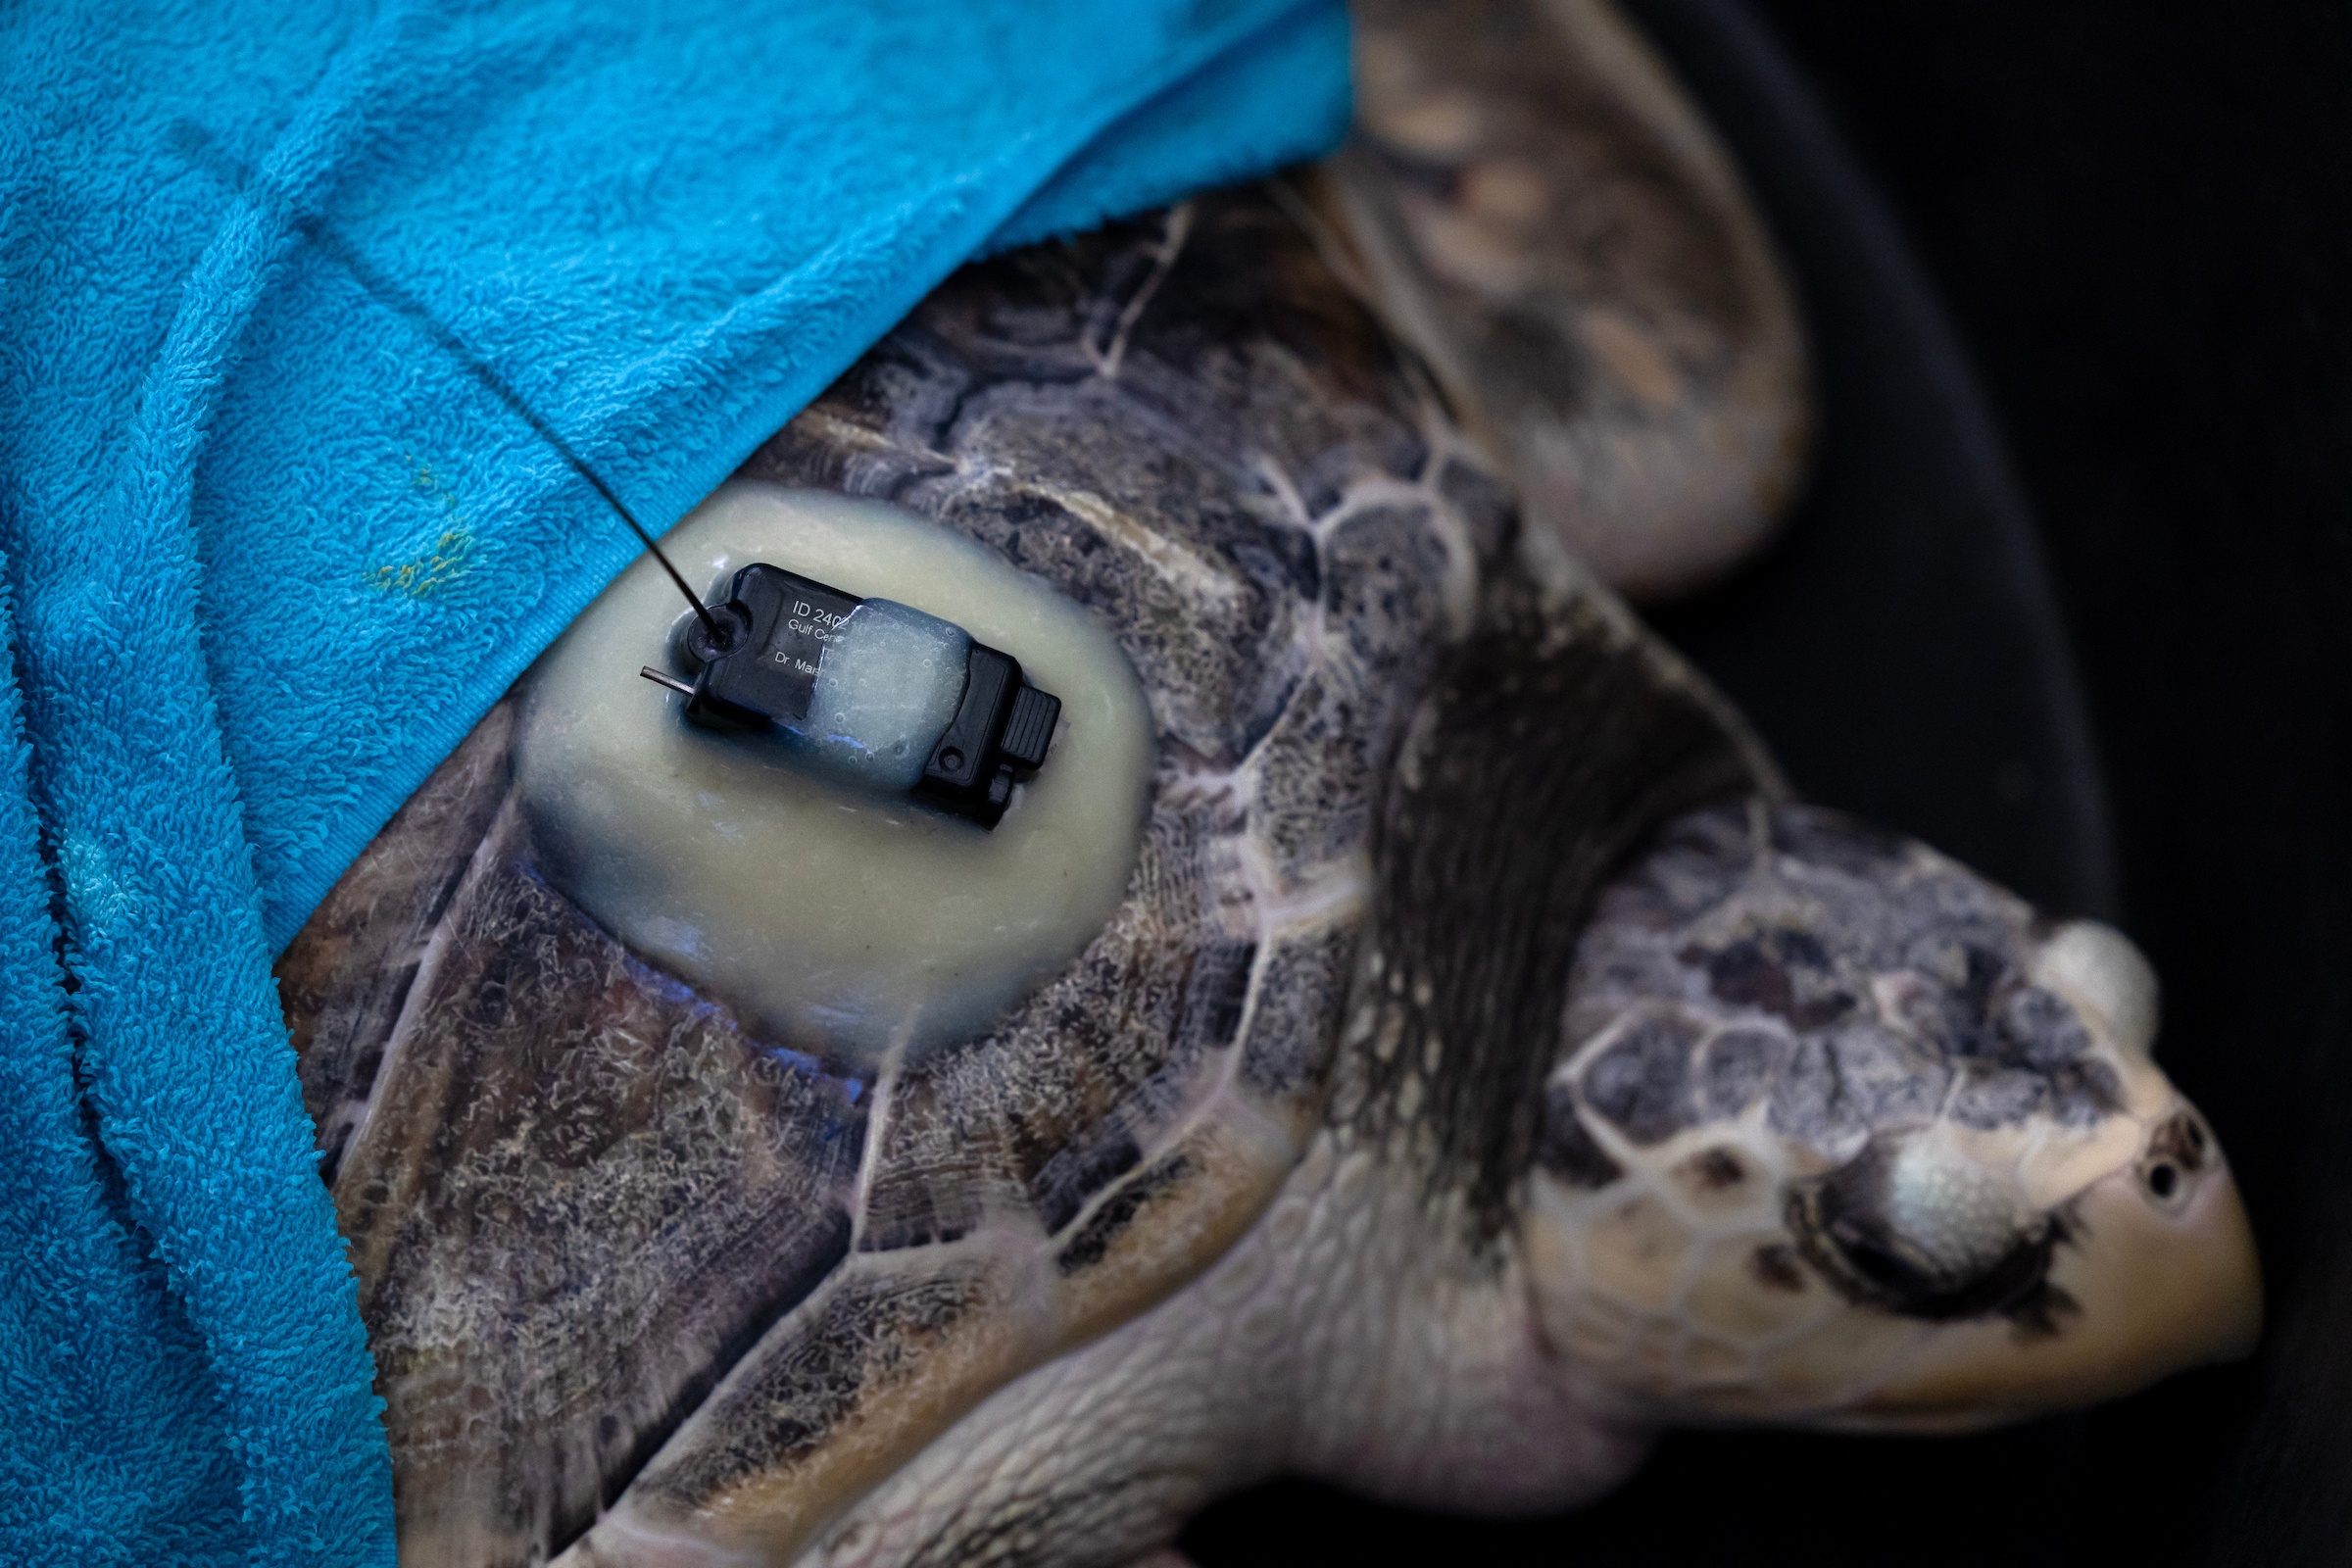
x: 1347, y: 1337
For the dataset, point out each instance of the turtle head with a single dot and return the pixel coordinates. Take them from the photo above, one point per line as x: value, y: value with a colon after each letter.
x: 1841, y: 1134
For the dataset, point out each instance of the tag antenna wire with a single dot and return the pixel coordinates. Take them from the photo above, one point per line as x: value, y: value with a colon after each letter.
x: 199, y: 147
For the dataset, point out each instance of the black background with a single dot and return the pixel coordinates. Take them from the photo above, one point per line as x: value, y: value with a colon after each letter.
x: 2079, y: 278
x: 2139, y: 218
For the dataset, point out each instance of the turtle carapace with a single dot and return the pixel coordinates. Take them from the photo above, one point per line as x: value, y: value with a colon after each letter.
x: 1459, y: 1059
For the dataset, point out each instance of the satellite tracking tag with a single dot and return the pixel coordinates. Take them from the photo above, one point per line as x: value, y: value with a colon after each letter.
x: 873, y: 692
x: 870, y: 692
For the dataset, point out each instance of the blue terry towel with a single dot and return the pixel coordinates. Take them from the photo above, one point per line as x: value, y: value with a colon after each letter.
x: 276, y: 284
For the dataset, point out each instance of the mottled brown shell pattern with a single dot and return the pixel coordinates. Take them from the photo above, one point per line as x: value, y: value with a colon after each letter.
x: 610, y: 1238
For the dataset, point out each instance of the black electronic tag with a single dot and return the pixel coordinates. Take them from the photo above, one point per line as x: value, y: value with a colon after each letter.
x: 760, y: 660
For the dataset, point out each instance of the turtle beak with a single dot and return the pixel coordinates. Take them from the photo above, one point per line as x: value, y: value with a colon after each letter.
x: 2162, y: 1274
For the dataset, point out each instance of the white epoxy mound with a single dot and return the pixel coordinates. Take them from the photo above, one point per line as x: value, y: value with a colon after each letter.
x: 842, y: 922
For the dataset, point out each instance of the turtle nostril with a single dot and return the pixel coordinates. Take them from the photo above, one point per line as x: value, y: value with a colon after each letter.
x: 2177, y: 1153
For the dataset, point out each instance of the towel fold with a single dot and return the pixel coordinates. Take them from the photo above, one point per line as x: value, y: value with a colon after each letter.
x: 320, y: 328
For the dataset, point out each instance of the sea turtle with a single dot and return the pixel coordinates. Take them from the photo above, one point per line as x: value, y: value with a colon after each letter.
x: 1483, y: 1065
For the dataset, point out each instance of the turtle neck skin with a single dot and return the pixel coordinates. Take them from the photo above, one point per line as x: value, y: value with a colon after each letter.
x: 1348, y: 1337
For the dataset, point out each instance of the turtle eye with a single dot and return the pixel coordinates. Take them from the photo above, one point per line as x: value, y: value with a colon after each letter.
x: 1877, y: 1261
x: 1886, y: 1270
x: 1909, y: 1229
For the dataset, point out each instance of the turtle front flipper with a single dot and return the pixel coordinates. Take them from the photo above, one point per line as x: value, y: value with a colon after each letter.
x: 1533, y: 203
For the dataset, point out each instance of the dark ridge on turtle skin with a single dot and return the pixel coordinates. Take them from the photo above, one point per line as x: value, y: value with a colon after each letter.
x: 1554, y: 744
